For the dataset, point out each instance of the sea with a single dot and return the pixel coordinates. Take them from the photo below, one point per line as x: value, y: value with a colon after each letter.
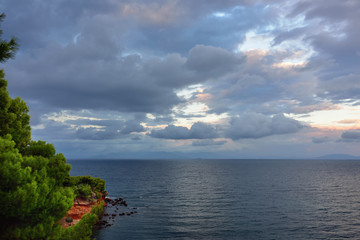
x: 230, y: 199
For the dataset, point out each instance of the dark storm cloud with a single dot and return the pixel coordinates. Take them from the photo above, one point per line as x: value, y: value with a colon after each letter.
x: 197, y: 131
x: 94, y: 73
x: 255, y: 125
x: 82, y: 64
x: 351, y: 136
x: 100, y: 80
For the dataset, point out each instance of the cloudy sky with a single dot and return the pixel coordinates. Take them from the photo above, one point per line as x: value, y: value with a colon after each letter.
x: 188, y: 79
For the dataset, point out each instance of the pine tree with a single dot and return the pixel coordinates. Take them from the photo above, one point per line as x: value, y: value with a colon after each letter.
x: 7, y: 48
x: 32, y: 195
x: 36, y: 189
x: 14, y: 113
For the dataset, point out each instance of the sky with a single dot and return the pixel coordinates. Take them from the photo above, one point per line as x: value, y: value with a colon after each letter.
x: 188, y: 79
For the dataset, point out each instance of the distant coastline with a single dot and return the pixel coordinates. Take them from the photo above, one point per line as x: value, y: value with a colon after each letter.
x: 323, y: 157
x: 339, y: 157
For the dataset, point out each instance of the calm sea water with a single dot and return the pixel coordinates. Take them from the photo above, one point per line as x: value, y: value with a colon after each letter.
x: 231, y: 199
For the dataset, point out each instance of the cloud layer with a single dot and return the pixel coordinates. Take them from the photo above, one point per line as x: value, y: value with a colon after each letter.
x: 186, y: 77
x: 254, y: 125
x: 197, y: 131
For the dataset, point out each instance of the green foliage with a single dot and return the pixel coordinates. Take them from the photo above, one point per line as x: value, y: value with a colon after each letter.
x: 31, y: 199
x: 59, y: 169
x: 40, y: 148
x: 98, y: 195
x: 98, y: 210
x: 82, y: 190
x: 97, y: 184
x: 19, y: 124
x: 36, y: 231
x: 36, y: 190
x: 57, y: 166
x: 5, y: 102
x: 7, y: 48
x: 84, y: 186
x: 82, y: 230
x: 14, y: 117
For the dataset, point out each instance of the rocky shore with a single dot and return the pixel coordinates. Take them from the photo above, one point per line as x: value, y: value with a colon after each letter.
x: 112, y: 208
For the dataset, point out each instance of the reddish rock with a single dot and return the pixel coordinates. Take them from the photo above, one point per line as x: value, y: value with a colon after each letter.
x: 79, y: 209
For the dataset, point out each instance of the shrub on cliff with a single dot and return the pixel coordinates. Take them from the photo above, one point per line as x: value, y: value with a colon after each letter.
x: 82, y: 190
x: 96, y: 184
x: 82, y: 230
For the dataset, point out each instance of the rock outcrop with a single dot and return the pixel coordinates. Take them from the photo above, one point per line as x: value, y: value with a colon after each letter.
x: 80, y: 208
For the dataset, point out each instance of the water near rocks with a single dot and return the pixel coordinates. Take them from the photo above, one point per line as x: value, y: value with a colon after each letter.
x: 231, y: 199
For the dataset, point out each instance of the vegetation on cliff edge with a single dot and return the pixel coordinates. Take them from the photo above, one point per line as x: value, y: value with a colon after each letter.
x: 36, y: 189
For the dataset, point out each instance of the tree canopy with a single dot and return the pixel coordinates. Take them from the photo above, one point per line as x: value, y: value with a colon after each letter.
x: 7, y: 48
x: 36, y: 189
x: 32, y: 197
x: 14, y: 116
x: 14, y: 113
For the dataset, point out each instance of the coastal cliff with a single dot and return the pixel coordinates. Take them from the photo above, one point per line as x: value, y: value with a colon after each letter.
x: 80, y: 208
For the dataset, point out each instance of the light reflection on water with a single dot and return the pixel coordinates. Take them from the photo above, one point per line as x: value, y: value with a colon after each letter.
x: 232, y: 199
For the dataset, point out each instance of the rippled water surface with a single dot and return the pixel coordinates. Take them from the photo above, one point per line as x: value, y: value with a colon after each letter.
x: 231, y: 199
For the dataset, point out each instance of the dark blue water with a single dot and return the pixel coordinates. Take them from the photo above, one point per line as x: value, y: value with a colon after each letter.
x: 231, y: 199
